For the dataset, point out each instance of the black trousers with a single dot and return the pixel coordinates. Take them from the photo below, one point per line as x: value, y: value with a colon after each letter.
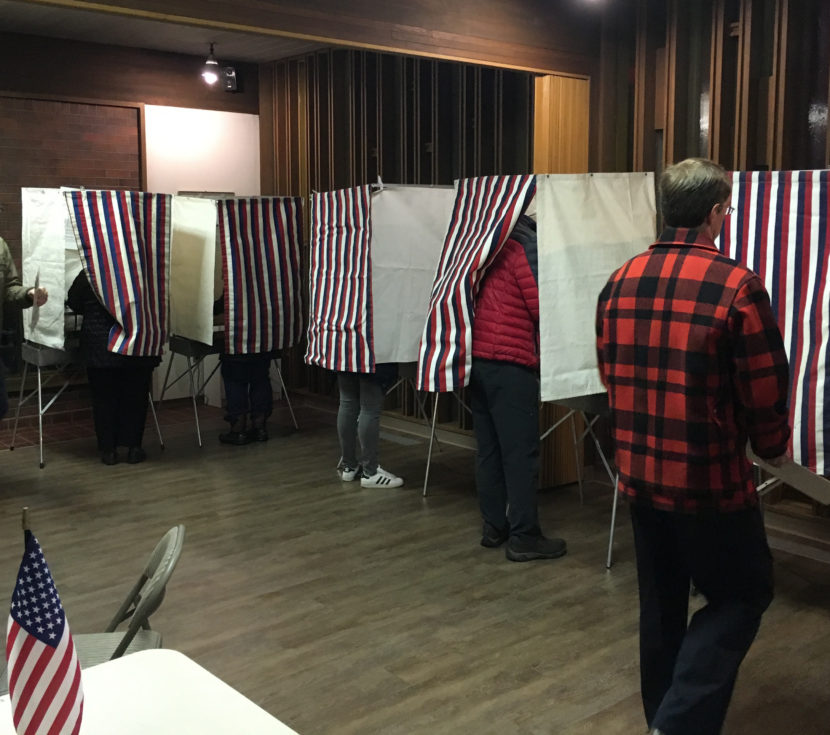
x: 120, y: 396
x: 504, y: 401
x: 247, y: 386
x: 688, y: 667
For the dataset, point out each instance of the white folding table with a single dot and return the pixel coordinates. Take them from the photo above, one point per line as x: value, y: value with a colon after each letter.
x: 165, y: 693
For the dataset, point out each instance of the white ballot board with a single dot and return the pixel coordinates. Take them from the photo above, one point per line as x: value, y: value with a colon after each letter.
x: 588, y: 226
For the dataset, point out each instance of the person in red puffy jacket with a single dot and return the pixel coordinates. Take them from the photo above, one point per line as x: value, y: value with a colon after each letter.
x: 505, y: 400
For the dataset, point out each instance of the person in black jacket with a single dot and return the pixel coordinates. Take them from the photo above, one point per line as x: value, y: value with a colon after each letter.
x: 120, y: 384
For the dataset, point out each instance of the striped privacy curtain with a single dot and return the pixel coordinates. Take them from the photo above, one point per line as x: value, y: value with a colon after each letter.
x: 486, y: 209
x: 124, y: 241
x: 340, y: 276
x: 260, y: 239
x: 780, y: 231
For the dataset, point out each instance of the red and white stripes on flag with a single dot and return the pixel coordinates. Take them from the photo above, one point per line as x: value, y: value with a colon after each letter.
x: 780, y: 229
x: 340, y: 277
x: 43, y: 672
x: 124, y: 241
x: 260, y: 239
x: 486, y: 210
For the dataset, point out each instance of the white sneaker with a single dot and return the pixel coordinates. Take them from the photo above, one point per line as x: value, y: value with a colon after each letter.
x: 346, y: 473
x: 381, y: 478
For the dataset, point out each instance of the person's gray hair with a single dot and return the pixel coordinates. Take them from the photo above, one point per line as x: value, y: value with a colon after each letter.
x: 689, y: 189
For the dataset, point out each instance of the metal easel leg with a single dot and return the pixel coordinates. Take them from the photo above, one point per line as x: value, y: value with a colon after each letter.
x: 193, y: 399
x: 277, y: 364
x: 431, y: 440
x: 40, y: 416
x: 579, y: 478
x: 613, y: 522
x: 614, y: 477
x: 420, y: 404
x: 155, y: 419
x: 20, y: 402
x: 165, y: 385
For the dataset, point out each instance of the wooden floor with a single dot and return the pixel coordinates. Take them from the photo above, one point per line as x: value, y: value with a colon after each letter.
x: 345, y: 611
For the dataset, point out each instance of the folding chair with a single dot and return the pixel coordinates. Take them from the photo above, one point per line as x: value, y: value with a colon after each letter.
x: 142, y: 601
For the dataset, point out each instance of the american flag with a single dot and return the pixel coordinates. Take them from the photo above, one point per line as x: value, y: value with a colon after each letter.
x: 44, y: 673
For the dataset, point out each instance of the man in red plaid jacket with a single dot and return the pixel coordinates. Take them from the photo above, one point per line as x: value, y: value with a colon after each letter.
x: 695, y: 368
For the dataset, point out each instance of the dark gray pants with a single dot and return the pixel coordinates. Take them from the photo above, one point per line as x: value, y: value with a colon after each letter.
x: 505, y: 404
x: 358, y: 417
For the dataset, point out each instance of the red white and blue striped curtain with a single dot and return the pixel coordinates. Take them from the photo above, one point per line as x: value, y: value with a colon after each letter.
x: 124, y: 241
x: 485, y: 212
x: 260, y: 238
x: 340, y: 277
x: 780, y: 230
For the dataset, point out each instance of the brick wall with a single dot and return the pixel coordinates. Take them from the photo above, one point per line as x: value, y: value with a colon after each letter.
x: 49, y: 143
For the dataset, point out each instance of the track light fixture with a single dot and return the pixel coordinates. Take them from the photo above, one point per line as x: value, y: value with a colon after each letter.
x: 210, y: 71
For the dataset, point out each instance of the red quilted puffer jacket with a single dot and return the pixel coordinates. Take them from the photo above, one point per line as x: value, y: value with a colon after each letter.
x: 506, y: 321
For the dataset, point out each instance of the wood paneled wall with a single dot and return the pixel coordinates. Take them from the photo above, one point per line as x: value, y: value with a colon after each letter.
x: 561, y: 125
x: 72, y: 114
x: 69, y: 70
x: 613, y: 89
x: 560, y: 145
x: 343, y: 118
x: 746, y: 83
x: 539, y: 35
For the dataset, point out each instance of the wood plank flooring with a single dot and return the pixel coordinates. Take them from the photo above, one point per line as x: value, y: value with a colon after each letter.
x: 346, y: 611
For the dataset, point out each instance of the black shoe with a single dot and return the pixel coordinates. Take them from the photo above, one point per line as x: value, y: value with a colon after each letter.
x: 491, y: 537
x: 136, y: 455
x: 535, y: 547
x: 237, y: 438
x: 109, y: 457
x: 259, y: 434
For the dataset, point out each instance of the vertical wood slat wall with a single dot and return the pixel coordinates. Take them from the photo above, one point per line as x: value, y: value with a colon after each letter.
x: 648, y: 84
x: 561, y: 125
x: 341, y: 118
x: 560, y: 145
x: 767, y: 87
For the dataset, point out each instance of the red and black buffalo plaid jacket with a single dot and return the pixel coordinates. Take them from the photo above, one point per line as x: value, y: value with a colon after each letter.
x: 694, y: 363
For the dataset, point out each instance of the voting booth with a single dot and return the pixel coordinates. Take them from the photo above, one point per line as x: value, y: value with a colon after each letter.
x: 121, y: 240
x: 158, y: 263
x: 246, y: 252
x: 372, y: 261
x: 779, y: 229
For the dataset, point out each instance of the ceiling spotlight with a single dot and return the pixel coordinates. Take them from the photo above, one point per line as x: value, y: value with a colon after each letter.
x: 210, y: 71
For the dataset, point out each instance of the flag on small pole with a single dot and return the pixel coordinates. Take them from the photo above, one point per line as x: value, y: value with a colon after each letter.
x: 44, y: 673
